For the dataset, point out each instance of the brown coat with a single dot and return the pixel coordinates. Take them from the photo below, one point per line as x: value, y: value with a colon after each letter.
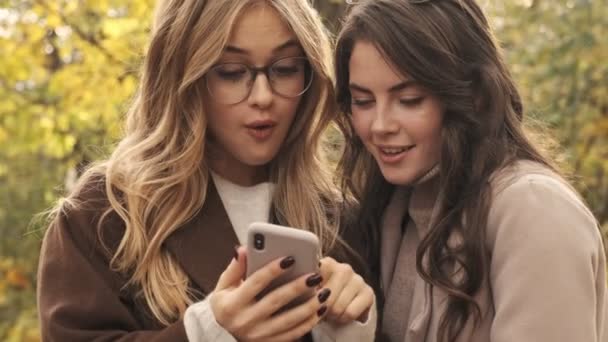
x: 81, y: 299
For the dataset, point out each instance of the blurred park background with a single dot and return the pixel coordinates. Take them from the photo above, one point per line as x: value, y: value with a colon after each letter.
x: 69, y: 68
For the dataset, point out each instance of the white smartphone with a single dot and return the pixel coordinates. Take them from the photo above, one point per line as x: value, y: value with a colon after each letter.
x: 267, y: 242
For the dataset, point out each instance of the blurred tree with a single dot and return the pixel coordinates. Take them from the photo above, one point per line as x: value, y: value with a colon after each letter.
x: 67, y: 72
x: 558, y: 52
x: 332, y: 12
x: 69, y: 68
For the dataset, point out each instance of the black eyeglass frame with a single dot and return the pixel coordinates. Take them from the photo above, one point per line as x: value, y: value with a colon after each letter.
x: 266, y: 70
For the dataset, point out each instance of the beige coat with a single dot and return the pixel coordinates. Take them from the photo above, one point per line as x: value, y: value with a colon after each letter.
x: 547, y: 278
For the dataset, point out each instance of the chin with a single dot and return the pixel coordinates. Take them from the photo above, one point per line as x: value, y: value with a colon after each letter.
x: 399, y: 181
x: 398, y: 177
x: 259, y: 159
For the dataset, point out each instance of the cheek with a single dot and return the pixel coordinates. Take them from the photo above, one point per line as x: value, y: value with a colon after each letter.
x: 215, y: 125
x: 285, y: 110
x: 291, y: 110
x: 290, y: 107
x: 430, y: 133
x: 213, y: 113
x: 436, y: 131
x: 220, y: 121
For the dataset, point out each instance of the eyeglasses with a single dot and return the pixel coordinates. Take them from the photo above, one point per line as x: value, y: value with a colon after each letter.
x: 231, y: 83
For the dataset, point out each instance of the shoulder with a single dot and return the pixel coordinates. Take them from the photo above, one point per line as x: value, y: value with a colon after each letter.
x: 527, y: 185
x: 85, y: 217
x: 547, y: 266
x: 530, y: 201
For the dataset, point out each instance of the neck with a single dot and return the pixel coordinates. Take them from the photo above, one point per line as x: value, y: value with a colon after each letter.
x: 235, y: 170
x: 242, y: 177
x: 423, y: 199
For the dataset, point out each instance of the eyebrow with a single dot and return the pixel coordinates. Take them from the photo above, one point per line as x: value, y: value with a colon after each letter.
x: 284, y: 46
x: 397, y: 87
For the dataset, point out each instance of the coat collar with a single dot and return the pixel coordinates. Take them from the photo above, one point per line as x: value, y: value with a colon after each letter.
x: 204, y: 246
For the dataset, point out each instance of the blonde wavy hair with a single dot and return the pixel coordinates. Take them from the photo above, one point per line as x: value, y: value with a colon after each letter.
x: 156, y: 178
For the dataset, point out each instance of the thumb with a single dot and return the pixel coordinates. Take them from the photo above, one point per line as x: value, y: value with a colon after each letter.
x: 235, y: 272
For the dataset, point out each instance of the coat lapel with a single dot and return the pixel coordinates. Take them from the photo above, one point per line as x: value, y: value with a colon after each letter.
x: 204, y: 246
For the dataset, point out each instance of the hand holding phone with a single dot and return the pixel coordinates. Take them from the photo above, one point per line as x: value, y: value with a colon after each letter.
x: 267, y: 242
x: 236, y: 309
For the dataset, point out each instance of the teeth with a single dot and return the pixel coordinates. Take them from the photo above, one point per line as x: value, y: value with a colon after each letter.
x: 393, y: 150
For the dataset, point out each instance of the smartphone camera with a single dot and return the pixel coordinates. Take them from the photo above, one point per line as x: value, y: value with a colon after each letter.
x: 258, y: 241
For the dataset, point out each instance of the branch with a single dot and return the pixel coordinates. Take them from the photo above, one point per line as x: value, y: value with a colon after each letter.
x: 83, y: 35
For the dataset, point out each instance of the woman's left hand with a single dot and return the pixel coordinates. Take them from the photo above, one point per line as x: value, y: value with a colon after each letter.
x: 351, y: 298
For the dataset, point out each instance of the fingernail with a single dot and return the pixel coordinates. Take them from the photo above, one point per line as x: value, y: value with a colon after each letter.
x: 287, y: 262
x: 236, y: 252
x: 314, y: 280
x: 321, y: 310
x: 323, y: 295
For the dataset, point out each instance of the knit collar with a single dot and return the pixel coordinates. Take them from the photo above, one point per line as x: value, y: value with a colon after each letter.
x: 423, y: 200
x: 415, y: 202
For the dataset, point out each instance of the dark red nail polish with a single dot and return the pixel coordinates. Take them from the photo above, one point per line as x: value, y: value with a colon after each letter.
x: 287, y: 262
x: 314, y: 280
x: 321, y: 310
x: 323, y: 295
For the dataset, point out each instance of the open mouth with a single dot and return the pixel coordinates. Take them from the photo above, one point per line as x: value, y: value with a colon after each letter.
x: 392, y: 151
x: 261, y: 129
x: 393, y: 154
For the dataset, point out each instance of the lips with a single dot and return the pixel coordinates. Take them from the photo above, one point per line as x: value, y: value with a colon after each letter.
x: 261, y: 129
x: 393, y: 154
x: 394, y: 150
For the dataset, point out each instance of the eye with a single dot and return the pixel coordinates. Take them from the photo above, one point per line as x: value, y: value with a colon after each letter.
x: 361, y: 102
x: 412, y: 101
x: 285, y: 70
x: 231, y: 72
x: 288, y: 67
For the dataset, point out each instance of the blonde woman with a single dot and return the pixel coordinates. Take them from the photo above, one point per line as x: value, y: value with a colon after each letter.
x: 225, y: 130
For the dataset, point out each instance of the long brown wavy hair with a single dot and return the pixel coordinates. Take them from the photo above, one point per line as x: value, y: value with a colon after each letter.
x: 156, y: 178
x: 449, y: 48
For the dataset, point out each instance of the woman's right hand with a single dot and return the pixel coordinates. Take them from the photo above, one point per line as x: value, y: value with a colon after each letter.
x: 236, y: 309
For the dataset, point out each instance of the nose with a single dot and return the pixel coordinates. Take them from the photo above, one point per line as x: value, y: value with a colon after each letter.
x: 261, y: 94
x: 383, y: 121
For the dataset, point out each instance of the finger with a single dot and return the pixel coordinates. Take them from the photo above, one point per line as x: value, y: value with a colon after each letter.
x: 261, y: 278
x: 353, y: 287
x: 292, y: 318
x: 285, y: 294
x: 298, y: 331
x: 326, y: 266
x: 359, y: 307
x: 234, y: 273
x: 303, y: 328
x: 340, y: 275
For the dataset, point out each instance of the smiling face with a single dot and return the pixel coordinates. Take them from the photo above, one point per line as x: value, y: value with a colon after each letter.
x: 398, y: 121
x: 246, y: 136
